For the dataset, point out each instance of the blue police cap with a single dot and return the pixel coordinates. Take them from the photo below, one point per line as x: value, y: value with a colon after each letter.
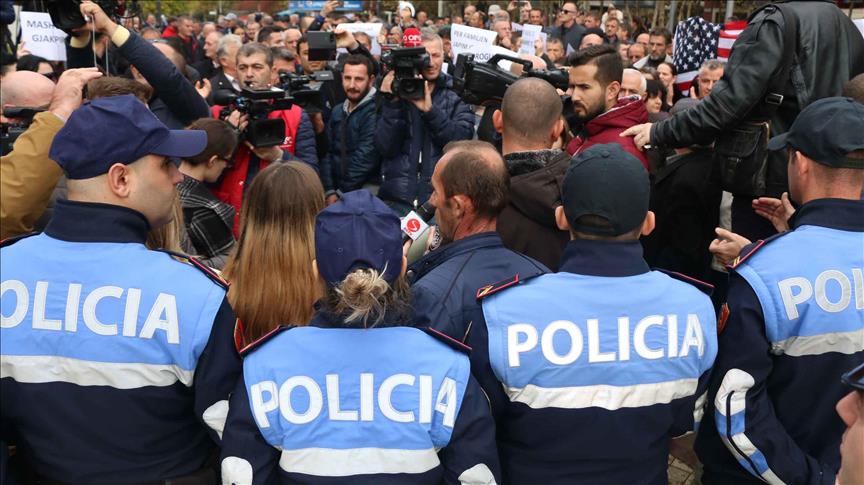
x: 827, y: 131
x: 606, y: 181
x: 358, y: 231
x: 117, y: 129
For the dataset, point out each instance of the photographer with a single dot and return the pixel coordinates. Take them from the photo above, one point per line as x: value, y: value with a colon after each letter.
x: 27, y: 175
x: 175, y: 101
x: 352, y: 159
x: 411, y: 134
x: 254, y: 69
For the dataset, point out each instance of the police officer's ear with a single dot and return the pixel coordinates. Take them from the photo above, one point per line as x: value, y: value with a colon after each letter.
x: 561, y: 219
x: 119, y: 177
x: 498, y: 121
x: 649, y: 223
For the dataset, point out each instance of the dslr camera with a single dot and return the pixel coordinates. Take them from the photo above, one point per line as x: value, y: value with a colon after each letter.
x: 301, y: 93
x: 66, y: 14
x: 258, y: 104
x: 485, y: 82
x: 407, y: 64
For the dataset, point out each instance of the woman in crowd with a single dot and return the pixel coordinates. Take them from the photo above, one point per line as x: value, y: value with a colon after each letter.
x: 36, y: 64
x: 402, y: 406
x: 208, y: 220
x: 654, y: 100
x: 668, y: 75
x: 271, y: 280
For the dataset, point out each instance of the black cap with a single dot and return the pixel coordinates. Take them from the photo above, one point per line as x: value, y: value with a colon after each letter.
x: 608, y: 182
x: 827, y: 131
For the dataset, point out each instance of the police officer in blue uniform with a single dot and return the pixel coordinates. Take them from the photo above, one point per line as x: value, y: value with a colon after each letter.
x: 358, y: 396
x: 470, y: 189
x: 796, y: 316
x: 117, y: 361
x: 591, y: 371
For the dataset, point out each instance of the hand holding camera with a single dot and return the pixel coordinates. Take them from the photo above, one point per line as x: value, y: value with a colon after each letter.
x: 96, y: 17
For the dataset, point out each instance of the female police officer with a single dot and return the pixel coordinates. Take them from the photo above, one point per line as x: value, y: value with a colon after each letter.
x: 357, y: 396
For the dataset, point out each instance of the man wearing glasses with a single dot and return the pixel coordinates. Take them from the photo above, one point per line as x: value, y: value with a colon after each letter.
x: 569, y: 30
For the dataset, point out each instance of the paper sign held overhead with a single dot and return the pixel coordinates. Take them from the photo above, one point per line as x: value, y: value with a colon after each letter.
x: 41, y: 38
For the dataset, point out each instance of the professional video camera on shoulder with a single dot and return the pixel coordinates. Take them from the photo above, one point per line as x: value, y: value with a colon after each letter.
x: 258, y: 103
x: 486, y: 82
x: 302, y: 93
x: 407, y: 65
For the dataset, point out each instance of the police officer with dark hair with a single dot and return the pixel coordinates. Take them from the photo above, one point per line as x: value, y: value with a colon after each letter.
x: 796, y: 316
x: 591, y: 371
x: 359, y: 395
x: 116, y: 360
x: 471, y: 187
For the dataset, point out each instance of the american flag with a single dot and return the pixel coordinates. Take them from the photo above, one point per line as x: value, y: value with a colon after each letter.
x: 695, y: 42
x: 730, y: 32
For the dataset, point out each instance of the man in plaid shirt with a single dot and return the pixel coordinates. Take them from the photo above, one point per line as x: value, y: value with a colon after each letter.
x: 207, y: 219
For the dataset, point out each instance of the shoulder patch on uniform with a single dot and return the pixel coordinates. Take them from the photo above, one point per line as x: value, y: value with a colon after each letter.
x: 239, y: 332
x: 751, y: 248
x: 12, y: 240
x: 724, y: 316
x: 447, y: 340
x: 704, y: 287
x: 191, y: 261
x: 487, y: 290
x: 264, y: 338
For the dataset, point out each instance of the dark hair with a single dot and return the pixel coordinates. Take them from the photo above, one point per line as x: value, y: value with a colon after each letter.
x: 854, y: 88
x: 30, y: 63
x: 105, y: 87
x: 653, y: 88
x: 609, y: 65
x: 600, y: 222
x: 264, y: 33
x: 658, y: 31
x: 444, y: 32
x: 221, y: 139
x: 253, y: 48
x: 360, y: 60
x: 478, y: 172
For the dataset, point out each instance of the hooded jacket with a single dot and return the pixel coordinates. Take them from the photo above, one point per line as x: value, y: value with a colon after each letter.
x: 527, y: 225
x: 352, y: 159
x: 607, y: 127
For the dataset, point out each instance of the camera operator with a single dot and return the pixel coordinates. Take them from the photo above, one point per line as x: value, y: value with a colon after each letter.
x: 254, y: 69
x: 175, y: 101
x: 411, y: 134
x: 352, y: 160
x: 27, y: 175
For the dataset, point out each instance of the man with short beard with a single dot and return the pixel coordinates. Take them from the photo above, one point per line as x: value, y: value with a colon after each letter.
x: 659, y: 40
x: 595, y: 78
x: 352, y: 160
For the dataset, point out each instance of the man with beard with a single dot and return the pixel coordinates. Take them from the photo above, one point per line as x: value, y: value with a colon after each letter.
x: 471, y: 187
x: 595, y: 78
x: 658, y: 41
x: 351, y: 160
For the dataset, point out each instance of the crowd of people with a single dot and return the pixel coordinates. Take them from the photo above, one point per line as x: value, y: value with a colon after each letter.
x: 203, y: 283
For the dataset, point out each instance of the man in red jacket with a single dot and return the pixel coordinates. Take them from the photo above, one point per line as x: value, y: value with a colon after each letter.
x: 595, y: 79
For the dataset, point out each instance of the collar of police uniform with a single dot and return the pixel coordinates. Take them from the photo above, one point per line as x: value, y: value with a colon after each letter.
x: 489, y: 239
x: 603, y: 258
x: 842, y: 214
x: 92, y: 222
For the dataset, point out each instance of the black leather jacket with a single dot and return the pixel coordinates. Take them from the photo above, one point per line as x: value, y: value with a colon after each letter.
x: 830, y: 51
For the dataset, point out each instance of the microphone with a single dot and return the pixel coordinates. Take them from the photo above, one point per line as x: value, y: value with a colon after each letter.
x: 416, y: 222
x: 411, y: 37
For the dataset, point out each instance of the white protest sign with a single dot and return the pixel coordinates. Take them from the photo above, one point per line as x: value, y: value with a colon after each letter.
x: 543, y: 37
x: 530, y: 33
x: 471, y: 40
x: 372, y: 30
x: 860, y: 24
x: 41, y: 38
x: 515, y: 27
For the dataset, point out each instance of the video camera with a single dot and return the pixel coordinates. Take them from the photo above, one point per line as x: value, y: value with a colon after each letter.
x: 258, y: 104
x: 9, y: 132
x: 66, y: 14
x: 485, y: 82
x: 408, y: 64
x: 298, y: 89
